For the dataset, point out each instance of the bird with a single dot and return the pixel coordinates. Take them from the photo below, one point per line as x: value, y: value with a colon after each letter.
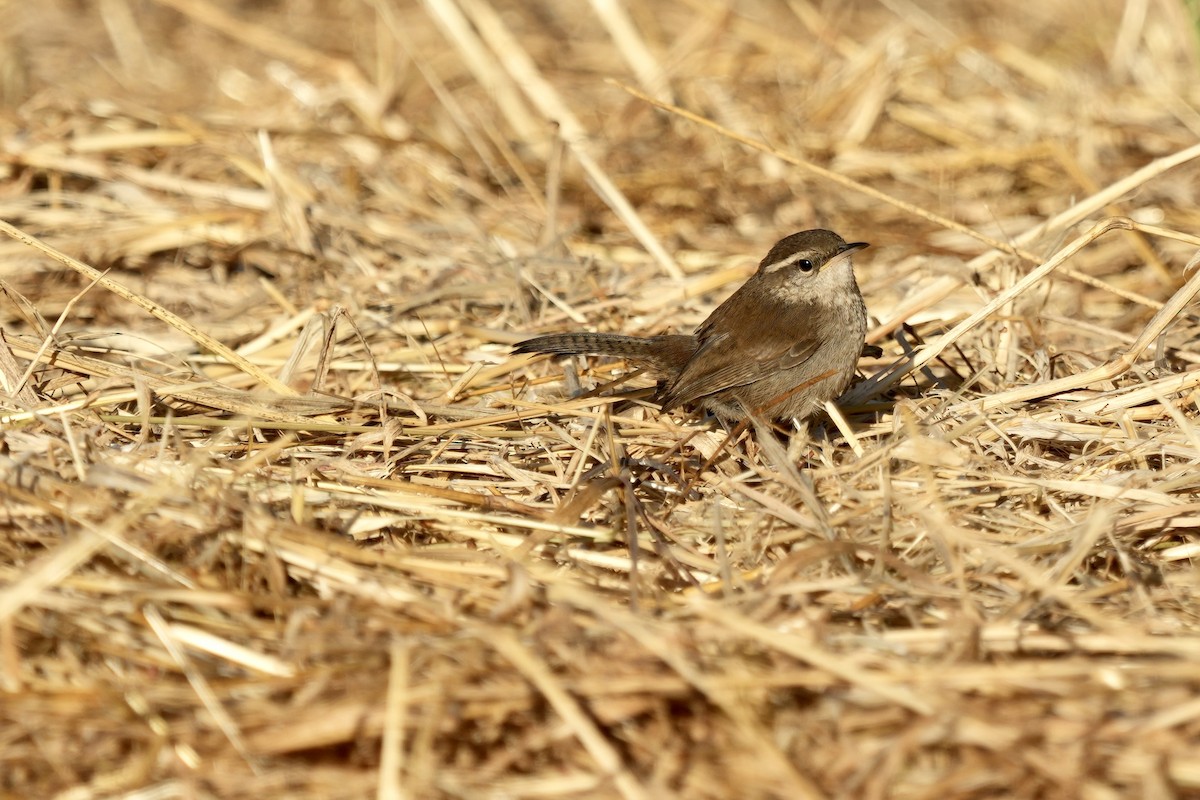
x: 779, y: 347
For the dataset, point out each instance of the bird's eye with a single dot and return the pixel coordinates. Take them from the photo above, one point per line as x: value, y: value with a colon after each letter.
x: 805, y: 265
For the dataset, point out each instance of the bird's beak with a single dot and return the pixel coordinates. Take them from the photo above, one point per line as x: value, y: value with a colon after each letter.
x: 845, y: 252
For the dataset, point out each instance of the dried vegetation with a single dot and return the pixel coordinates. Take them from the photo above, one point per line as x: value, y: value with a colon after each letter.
x: 282, y: 517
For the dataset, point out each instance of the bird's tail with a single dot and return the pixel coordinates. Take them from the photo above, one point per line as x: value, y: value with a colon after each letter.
x: 664, y: 354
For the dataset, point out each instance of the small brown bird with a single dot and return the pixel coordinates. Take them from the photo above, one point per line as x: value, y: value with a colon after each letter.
x: 779, y: 347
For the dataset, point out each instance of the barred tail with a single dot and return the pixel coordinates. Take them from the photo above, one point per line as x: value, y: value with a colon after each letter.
x: 591, y: 344
x: 663, y: 353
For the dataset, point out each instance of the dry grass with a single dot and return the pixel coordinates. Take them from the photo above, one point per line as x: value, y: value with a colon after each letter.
x: 282, y: 516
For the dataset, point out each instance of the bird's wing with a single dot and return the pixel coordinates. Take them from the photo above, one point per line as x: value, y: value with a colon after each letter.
x: 726, y: 361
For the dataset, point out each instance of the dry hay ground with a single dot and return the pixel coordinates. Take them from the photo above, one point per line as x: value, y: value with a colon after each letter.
x: 282, y: 517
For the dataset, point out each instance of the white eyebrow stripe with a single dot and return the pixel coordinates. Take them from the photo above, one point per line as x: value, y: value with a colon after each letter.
x: 787, y: 262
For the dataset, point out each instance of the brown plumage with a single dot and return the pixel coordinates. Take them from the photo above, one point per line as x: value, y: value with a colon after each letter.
x: 784, y: 343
